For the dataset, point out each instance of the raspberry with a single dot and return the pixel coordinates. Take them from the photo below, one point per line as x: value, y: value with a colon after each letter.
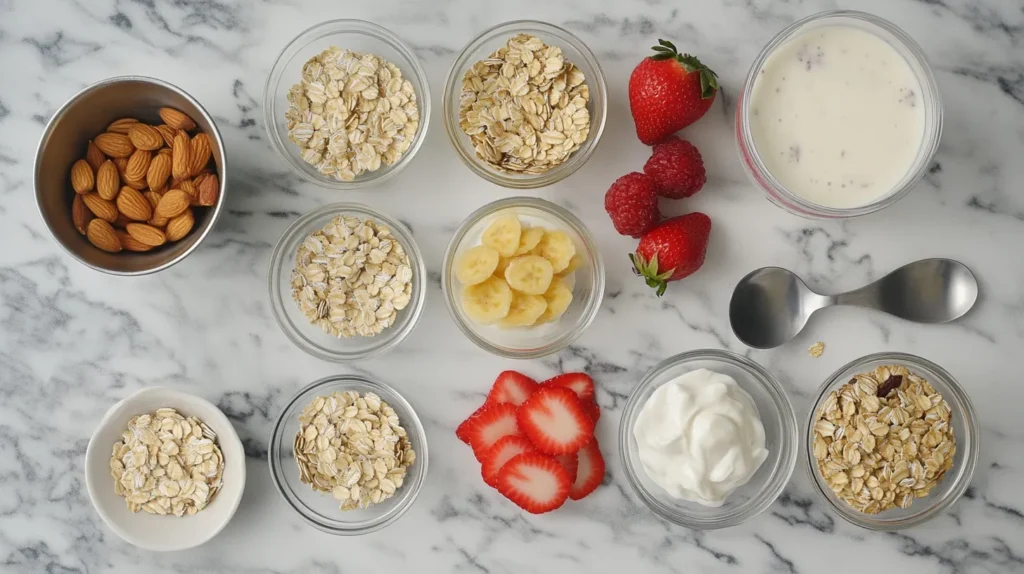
x: 676, y: 168
x: 632, y: 203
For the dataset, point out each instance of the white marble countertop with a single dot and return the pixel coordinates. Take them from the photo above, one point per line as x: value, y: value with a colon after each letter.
x: 74, y: 341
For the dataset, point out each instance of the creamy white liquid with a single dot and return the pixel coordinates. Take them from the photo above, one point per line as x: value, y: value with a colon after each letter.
x: 837, y: 116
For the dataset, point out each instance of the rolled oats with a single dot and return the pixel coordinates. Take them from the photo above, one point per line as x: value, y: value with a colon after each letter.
x: 525, y: 106
x: 883, y: 439
x: 166, y: 463
x: 352, y: 277
x: 351, y: 113
x: 354, y: 447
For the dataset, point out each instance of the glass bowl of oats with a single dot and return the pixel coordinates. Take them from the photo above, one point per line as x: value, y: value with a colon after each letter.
x: 892, y: 441
x: 346, y: 104
x: 348, y: 454
x: 347, y: 282
x: 525, y: 104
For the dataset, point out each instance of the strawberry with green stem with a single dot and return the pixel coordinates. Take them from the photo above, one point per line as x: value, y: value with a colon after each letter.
x: 669, y: 91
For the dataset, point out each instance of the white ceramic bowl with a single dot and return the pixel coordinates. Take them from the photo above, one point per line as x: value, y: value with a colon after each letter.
x: 148, y: 531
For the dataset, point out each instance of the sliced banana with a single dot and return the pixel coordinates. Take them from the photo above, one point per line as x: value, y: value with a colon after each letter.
x: 575, y: 263
x: 524, y: 311
x: 530, y: 274
x: 476, y: 265
x: 487, y: 302
x: 557, y: 248
x: 503, y: 235
x: 503, y: 262
x: 558, y: 297
x: 529, y: 239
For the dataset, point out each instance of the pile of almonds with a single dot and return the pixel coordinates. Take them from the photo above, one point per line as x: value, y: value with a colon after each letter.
x: 137, y: 185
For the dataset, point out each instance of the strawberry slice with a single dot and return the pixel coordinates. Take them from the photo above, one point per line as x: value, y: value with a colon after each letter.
x: 489, y: 425
x: 511, y: 387
x: 591, y: 471
x: 580, y: 383
x: 535, y: 482
x: 555, y: 421
x: 463, y: 429
x: 503, y: 451
x: 571, y: 463
x: 593, y: 410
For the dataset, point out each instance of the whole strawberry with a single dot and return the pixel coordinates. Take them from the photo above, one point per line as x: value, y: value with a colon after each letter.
x: 672, y: 250
x: 677, y: 168
x: 632, y: 203
x: 669, y: 91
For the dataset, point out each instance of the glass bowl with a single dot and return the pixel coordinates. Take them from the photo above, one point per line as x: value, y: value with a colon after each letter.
x: 320, y: 509
x: 780, y: 429
x: 953, y: 483
x: 931, y: 100
x: 480, y: 48
x: 313, y: 339
x: 355, y: 35
x: 588, y: 288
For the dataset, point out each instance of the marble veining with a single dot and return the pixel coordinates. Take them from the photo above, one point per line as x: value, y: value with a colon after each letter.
x: 73, y: 342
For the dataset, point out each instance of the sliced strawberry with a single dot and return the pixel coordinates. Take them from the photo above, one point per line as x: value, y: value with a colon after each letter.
x: 593, y: 410
x: 489, y: 425
x: 503, y: 451
x: 570, y: 462
x: 555, y: 421
x: 591, y: 470
x: 511, y: 387
x: 463, y: 429
x: 580, y: 383
x: 535, y: 482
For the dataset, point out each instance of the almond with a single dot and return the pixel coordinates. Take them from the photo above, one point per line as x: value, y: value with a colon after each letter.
x: 179, y: 227
x: 173, y: 203
x: 189, y: 187
x: 122, y: 221
x: 134, y: 205
x: 108, y: 181
x: 179, y: 156
x: 136, y: 184
x: 199, y: 153
x: 100, y: 207
x: 122, y: 126
x: 154, y: 200
x: 159, y: 171
x: 80, y: 214
x: 101, y: 234
x: 145, y: 137
x: 147, y: 234
x: 167, y: 133
x: 114, y: 144
x: 138, y: 165
x: 82, y: 178
x: 209, y: 189
x: 121, y: 163
x: 176, y: 119
x: 130, y: 243
x: 94, y: 156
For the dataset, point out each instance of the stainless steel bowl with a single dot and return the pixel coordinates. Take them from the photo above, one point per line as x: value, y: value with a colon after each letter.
x: 64, y: 141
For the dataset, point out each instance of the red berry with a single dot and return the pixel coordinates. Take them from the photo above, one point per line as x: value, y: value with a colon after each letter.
x: 668, y: 92
x: 590, y: 470
x: 555, y: 421
x: 571, y: 463
x: 632, y: 203
x: 511, y: 387
x: 487, y: 426
x: 676, y: 168
x: 535, y: 482
x: 500, y: 453
x: 580, y: 383
x: 672, y: 250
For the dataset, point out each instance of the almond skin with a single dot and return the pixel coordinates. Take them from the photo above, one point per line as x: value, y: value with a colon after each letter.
x: 122, y: 221
x: 100, y: 207
x: 173, y: 203
x: 145, y: 137
x: 189, y: 187
x: 101, y: 234
x: 108, y: 181
x: 147, y: 234
x: 138, y: 165
x: 130, y: 243
x: 122, y: 126
x: 134, y: 205
x: 82, y: 178
x: 159, y: 171
x: 154, y: 200
x: 180, y: 156
x: 209, y: 189
x: 80, y: 214
x: 176, y: 119
x: 199, y: 153
x: 94, y: 156
x: 114, y: 144
x: 167, y: 133
x: 179, y: 227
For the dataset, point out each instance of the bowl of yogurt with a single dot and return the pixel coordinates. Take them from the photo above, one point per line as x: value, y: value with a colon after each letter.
x: 840, y: 116
x: 708, y: 439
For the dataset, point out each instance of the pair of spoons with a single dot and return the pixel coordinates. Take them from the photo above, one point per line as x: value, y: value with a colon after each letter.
x: 771, y: 305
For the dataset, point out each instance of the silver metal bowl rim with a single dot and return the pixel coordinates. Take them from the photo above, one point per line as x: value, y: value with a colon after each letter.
x: 222, y: 175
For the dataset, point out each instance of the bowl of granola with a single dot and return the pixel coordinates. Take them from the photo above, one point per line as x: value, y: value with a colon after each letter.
x: 892, y: 441
x: 346, y: 104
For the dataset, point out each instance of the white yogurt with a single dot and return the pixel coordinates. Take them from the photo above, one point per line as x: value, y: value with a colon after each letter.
x: 699, y: 437
x: 836, y: 115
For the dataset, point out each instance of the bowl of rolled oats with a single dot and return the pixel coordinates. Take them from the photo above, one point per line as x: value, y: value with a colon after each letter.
x: 525, y: 104
x: 347, y: 282
x: 892, y: 441
x: 346, y: 104
x: 165, y: 470
x: 348, y: 454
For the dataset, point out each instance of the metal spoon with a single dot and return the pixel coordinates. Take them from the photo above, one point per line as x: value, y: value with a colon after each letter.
x: 771, y: 305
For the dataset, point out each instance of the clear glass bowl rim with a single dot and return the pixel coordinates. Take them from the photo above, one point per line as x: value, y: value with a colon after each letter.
x: 775, y: 484
x: 340, y: 26
x: 274, y: 453
x: 962, y: 479
x: 578, y: 227
x: 385, y: 341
